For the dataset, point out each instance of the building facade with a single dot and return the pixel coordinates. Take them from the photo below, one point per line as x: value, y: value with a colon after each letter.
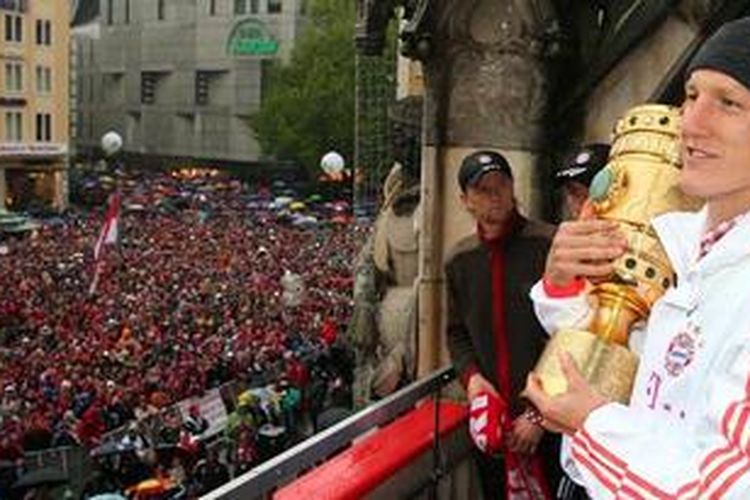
x: 179, y: 79
x: 34, y: 103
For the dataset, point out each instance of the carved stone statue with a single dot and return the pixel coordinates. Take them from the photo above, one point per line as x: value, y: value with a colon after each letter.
x: 383, y: 328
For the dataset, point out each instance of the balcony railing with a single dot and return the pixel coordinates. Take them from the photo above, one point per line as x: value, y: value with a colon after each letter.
x: 285, y: 468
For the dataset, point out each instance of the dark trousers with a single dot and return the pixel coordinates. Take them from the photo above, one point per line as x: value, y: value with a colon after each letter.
x: 491, y: 475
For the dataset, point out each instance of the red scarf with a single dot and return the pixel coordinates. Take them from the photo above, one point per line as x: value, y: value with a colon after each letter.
x: 524, y: 477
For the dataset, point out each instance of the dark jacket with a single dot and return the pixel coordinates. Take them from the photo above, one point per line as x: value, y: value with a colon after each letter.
x: 469, y: 288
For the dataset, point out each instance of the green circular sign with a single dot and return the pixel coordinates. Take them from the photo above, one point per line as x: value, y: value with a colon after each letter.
x: 251, y: 38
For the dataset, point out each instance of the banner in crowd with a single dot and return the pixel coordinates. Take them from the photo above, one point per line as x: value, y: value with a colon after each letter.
x: 212, y: 409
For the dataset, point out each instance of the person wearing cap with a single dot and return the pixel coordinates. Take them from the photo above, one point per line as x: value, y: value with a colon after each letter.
x: 576, y: 174
x: 685, y: 432
x: 573, y: 179
x: 493, y: 336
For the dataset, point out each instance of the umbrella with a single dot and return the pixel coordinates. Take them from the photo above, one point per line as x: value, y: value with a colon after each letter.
x: 314, y: 198
x: 151, y: 487
x: 108, y: 496
x: 297, y: 205
x: 271, y: 431
x: 340, y: 219
x: 47, y: 476
x: 112, y: 448
x: 23, y: 227
x: 304, y: 220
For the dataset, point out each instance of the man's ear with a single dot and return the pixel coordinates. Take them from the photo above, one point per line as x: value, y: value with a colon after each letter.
x: 464, y: 199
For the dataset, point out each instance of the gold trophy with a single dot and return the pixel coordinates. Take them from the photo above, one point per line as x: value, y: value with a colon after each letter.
x: 638, y: 183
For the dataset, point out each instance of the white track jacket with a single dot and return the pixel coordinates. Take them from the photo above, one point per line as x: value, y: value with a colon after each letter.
x: 686, y: 431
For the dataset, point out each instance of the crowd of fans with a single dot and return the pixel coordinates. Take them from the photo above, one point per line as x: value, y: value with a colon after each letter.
x: 195, y: 293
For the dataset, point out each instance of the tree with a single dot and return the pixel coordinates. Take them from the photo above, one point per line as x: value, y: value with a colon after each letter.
x: 308, y: 108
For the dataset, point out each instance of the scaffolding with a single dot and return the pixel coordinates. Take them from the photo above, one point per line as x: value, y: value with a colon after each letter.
x: 375, y: 92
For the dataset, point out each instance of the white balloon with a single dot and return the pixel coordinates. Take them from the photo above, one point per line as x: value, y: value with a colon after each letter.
x: 111, y: 142
x: 332, y: 163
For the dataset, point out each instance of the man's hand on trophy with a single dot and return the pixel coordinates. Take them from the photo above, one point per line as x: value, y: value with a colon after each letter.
x: 565, y: 412
x: 583, y: 249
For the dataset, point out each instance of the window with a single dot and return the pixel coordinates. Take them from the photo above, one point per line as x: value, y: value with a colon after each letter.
x: 19, y: 28
x: 110, y: 13
x: 240, y: 7
x: 254, y: 6
x: 43, y: 79
x: 211, y: 7
x: 202, y: 83
x: 148, y: 87
x: 43, y: 32
x: 13, y: 28
x: 13, y: 126
x: 274, y: 6
x: 160, y: 10
x: 127, y: 11
x: 14, y: 5
x: 13, y: 77
x: 43, y: 127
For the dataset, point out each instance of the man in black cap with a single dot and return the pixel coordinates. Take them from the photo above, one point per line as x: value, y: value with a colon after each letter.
x: 685, y: 432
x: 573, y: 178
x: 493, y: 337
x: 575, y: 175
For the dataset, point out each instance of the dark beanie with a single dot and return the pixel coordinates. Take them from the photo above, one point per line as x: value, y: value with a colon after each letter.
x: 727, y: 51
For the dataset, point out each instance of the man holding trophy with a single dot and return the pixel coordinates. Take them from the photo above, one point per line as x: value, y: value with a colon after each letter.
x: 673, y: 423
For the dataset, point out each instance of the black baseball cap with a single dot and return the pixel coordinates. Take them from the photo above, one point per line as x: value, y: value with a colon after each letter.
x: 583, y: 164
x: 479, y: 163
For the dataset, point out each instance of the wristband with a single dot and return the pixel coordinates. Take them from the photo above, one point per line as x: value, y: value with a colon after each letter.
x: 532, y: 415
x: 560, y: 292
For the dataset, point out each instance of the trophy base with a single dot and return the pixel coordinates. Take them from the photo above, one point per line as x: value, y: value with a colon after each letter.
x: 609, y: 367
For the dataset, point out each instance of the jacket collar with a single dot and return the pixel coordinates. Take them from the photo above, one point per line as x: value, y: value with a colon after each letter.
x: 681, y: 233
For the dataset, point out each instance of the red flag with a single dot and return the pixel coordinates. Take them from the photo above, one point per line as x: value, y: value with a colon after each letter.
x: 108, y: 233
x: 107, y: 236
